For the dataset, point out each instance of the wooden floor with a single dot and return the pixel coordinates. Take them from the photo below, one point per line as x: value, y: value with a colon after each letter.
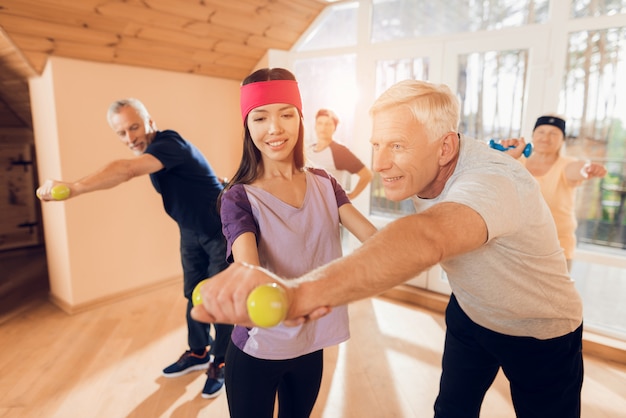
x: 106, y: 363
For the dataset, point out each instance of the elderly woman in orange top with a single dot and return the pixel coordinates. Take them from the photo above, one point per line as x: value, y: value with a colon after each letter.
x: 559, y: 176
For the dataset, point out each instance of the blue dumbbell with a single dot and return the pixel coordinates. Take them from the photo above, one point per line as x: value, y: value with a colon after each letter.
x: 528, y: 149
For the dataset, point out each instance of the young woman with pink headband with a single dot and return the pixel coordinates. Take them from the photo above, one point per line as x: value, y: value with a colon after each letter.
x: 285, y: 217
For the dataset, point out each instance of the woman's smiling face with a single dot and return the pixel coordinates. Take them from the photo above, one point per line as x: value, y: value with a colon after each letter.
x: 274, y: 130
x: 548, y: 139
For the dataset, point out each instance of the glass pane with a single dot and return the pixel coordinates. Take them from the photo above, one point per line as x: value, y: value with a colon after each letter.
x: 337, y: 28
x: 588, y: 8
x: 603, y: 290
x: 600, y: 209
x: 595, y: 108
x: 590, y: 96
x: 491, y: 88
x: 403, y: 19
x: 328, y: 82
x: 389, y: 72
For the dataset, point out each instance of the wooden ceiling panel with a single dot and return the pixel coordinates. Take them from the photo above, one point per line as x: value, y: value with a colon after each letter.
x: 282, y: 33
x: 247, y: 7
x: 47, y: 11
x: 216, y: 31
x: 218, y: 38
x: 82, y: 51
x: 242, y: 49
x: 265, y: 42
x: 252, y: 24
x: 293, y: 11
x: 192, y: 10
x: 52, y: 30
x: 35, y: 60
x: 140, y: 14
x: 33, y: 43
x: 159, y: 35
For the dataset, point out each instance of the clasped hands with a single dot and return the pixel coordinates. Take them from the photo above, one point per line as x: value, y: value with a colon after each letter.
x: 224, y: 297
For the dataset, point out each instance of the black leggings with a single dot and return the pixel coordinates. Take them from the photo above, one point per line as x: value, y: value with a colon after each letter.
x: 545, y: 376
x: 252, y: 384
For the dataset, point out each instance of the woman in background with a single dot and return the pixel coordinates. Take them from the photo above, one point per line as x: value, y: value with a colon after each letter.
x: 559, y: 176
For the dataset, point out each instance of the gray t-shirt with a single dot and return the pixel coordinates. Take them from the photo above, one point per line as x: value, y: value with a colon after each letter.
x: 517, y: 283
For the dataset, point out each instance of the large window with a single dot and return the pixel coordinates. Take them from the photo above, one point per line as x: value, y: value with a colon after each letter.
x: 509, y: 61
x: 334, y: 29
x: 491, y: 88
x: 595, y: 107
x: 588, y: 8
x: 405, y: 19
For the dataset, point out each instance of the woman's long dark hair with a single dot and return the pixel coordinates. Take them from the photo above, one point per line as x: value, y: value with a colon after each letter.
x: 250, y: 167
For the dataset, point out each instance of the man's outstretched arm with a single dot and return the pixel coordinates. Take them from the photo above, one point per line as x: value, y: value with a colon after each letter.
x: 395, y: 254
x: 109, y: 176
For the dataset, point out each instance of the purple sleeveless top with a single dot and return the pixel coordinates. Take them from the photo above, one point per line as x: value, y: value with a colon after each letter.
x: 291, y: 241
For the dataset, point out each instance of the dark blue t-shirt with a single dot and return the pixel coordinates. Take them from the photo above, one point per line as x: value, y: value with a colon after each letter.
x: 187, y: 183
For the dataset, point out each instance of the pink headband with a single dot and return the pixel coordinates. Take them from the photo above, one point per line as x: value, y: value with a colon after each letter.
x: 267, y: 92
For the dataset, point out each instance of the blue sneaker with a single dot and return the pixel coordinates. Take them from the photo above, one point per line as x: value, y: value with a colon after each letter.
x: 214, y: 382
x: 188, y: 362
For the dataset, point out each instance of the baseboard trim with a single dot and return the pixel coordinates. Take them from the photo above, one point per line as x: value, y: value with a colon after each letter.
x: 606, y: 348
x: 96, y: 303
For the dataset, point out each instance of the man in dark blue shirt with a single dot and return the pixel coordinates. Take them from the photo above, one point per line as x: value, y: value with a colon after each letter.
x: 189, y: 189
